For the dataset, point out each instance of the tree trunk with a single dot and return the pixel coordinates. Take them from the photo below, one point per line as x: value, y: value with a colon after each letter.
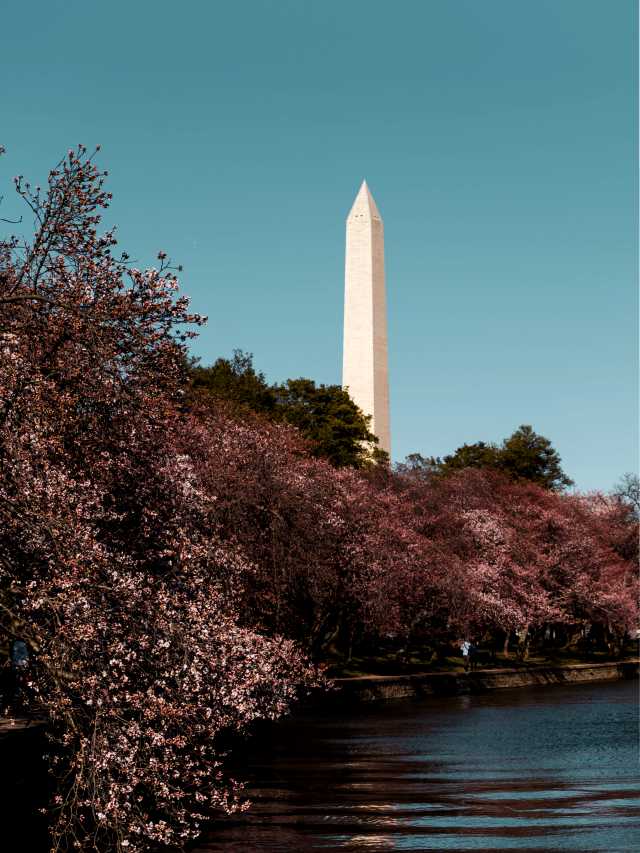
x: 523, y: 643
x: 350, y: 652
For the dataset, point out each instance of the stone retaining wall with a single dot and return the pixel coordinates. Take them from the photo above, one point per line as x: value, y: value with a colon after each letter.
x: 371, y: 688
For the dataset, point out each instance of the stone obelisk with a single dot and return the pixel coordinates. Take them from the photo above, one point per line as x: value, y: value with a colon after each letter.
x: 364, y: 367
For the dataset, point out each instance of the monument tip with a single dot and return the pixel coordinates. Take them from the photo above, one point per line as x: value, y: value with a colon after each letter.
x: 364, y: 204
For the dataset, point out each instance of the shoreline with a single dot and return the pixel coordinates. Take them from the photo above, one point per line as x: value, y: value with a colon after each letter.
x: 376, y: 688
x: 364, y: 689
x: 23, y: 740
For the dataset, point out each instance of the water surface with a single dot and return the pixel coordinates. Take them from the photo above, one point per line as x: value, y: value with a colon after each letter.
x: 552, y: 768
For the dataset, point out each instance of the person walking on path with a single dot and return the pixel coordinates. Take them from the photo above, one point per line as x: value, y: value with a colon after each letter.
x: 465, y: 648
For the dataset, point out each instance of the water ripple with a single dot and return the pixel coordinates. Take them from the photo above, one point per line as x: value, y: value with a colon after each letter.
x: 546, y: 769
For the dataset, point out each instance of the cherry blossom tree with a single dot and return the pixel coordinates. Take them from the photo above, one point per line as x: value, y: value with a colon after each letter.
x: 517, y: 556
x: 326, y: 546
x: 110, y: 567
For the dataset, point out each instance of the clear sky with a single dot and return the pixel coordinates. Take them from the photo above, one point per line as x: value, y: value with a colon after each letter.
x: 498, y: 138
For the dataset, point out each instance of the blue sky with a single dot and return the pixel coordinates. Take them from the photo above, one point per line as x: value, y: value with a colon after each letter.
x: 498, y: 138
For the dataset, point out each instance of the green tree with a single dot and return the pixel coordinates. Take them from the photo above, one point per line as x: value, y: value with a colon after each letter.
x: 478, y: 455
x: 525, y: 455
x: 234, y: 380
x: 329, y: 419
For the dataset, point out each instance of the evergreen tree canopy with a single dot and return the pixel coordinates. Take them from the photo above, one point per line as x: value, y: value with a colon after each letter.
x: 525, y: 455
x: 236, y: 381
x: 328, y: 418
x: 478, y: 455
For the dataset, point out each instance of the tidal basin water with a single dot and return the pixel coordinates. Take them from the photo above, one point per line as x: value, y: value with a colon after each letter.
x: 551, y: 768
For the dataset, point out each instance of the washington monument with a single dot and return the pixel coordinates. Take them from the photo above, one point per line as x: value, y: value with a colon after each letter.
x: 364, y: 366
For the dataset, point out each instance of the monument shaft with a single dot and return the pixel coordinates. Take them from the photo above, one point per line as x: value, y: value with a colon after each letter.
x: 365, y: 362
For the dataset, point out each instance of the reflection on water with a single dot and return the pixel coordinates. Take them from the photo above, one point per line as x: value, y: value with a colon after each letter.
x: 538, y: 769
